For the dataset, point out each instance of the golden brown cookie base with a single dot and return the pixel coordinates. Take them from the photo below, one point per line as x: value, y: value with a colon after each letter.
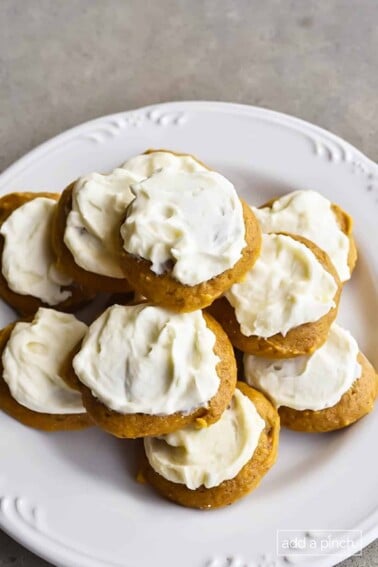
x: 357, y: 402
x: 27, y: 304
x: 142, y: 425
x: 248, y: 478
x: 345, y: 223
x: 43, y: 421
x: 166, y: 291
x: 303, y: 339
x: 66, y: 261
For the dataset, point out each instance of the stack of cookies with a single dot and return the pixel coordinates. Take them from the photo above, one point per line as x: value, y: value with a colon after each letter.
x: 202, y: 286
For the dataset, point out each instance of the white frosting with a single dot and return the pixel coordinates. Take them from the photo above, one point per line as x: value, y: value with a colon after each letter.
x: 28, y: 261
x: 99, y: 203
x: 191, y: 220
x: 33, y: 359
x: 308, y: 214
x: 145, y: 359
x: 209, y: 456
x: 286, y: 287
x: 144, y: 165
x: 312, y: 382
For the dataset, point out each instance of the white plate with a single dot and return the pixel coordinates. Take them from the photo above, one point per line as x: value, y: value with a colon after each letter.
x: 71, y: 497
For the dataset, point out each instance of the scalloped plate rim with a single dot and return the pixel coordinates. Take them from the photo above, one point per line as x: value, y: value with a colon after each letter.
x: 260, y: 112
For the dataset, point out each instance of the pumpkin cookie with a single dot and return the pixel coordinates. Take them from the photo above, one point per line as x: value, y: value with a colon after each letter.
x: 214, y: 467
x: 29, y: 276
x: 187, y: 238
x: 89, y: 213
x: 286, y: 304
x: 329, y: 390
x: 32, y: 370
x: 309, y: 214
x: 147, y: 371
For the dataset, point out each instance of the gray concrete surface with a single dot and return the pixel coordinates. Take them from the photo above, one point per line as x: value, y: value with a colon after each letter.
x: 65, y: 61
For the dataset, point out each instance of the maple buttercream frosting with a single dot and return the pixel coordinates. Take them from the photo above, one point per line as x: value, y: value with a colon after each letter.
x: 207, y: 457
x: 144, y: 165
x: 28, y: 261
x: 33, y: 359
x: 145, y: 359
x: 190, y: 224
x: 308, y: 214
x: 312, y: 382
x: 286, y: 287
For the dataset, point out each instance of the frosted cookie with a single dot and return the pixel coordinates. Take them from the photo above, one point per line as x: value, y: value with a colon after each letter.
x: 215, y: 466
x: 309, y: 214
x: 328, y: 390
x: 187, y: 238
x: 146, y: 371
x: 89, y: 214
x: 287, y: 302
x: 29, y: 276
x: 33, y: 364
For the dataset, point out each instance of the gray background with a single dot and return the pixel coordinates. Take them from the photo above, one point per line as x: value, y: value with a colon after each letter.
x: 66, y: 61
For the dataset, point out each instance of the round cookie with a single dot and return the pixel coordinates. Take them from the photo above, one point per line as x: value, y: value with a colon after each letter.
x: 166, y: 291
x: 247, y: 479
x: 327, y: 390
x: 26, y: 416
x: 134, y: 425
x: 66, y: 261
x: 357, y: 402
x: 344, y: 221
x: 28, y: 304
x: 304, y: 339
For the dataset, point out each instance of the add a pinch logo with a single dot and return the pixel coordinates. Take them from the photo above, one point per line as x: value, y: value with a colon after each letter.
x: 295, y: 543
